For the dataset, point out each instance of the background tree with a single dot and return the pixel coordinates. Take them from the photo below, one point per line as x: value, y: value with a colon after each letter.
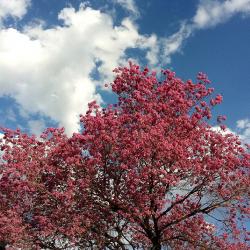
x: 145, y: 173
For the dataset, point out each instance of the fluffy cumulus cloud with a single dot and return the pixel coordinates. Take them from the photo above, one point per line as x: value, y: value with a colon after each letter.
x: 222, y: 131
x: 173, y: 43
x: 242, y: 130
x: 243, y: 127
x: 129, y: 5
x: 13, y: 8
x: 213, y: 12
x: 48, y: 70
x: 209, y: 13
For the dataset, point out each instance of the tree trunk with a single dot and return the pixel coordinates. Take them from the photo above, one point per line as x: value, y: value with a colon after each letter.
x: 3, y: 245
x: 156, y: 245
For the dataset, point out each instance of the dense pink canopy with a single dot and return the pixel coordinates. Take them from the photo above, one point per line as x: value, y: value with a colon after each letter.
x: 145, y: 173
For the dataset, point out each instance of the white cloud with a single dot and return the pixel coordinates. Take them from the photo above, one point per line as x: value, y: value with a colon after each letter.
x: 48, y: 71
x: 152, y: 44
x: 221, y: 131
x: 244, y: 130
x: 242, y: 124
x: 174, y: 43
x: 209, y: 13
x: 13, y: 8
x: 129, y: 5
x: 212, y: 12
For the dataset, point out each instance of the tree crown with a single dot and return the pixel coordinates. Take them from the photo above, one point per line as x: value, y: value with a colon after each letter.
x: 146, y: 173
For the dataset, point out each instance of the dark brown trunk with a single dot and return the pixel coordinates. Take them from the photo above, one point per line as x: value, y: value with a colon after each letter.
x: 156, y: 245
x: 3, y: 245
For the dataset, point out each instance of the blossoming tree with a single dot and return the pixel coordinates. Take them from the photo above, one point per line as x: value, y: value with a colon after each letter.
x: 145, y: 173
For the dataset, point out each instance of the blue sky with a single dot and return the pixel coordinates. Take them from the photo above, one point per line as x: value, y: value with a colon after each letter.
x: 55, y: 56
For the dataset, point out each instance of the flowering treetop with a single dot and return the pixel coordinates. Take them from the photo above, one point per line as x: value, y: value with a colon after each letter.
x: 145, y: 173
